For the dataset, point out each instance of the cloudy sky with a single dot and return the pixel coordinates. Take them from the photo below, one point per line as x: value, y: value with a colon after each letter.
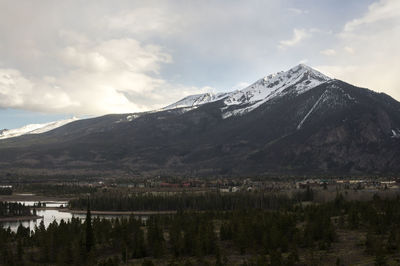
x: 88, y: 58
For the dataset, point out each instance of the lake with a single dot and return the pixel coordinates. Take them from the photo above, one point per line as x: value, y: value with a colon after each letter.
x: 49, y: 215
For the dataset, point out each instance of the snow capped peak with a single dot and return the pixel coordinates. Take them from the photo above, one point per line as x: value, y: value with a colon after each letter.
x: 34, y: 128
x: 296, y: 80
x: 298, y: 74
x: 302, y: 66
x: 309, y: 71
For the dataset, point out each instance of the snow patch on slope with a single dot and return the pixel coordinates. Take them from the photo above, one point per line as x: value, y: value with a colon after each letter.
x: 332, y: 98
x: 311, y: 110
x: 186, y: 109
x: 132, y: 117
x: 396, y: 133
x: 196, y: 100
x: 34, y: 128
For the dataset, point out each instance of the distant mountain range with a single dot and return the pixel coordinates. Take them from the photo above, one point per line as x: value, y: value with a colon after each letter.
x: 295, y: 122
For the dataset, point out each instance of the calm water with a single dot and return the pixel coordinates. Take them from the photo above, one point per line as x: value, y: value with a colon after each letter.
x: 50, y: 215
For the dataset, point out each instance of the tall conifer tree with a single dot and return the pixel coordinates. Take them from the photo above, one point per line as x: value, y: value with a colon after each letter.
x: 89, y: 229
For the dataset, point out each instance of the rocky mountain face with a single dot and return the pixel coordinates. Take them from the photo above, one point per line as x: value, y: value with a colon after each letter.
x: 290, y: 123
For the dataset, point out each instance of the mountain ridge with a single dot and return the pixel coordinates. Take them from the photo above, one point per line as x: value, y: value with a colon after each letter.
x: 332, y: 128
x: 264, y: 89
x: 302, y: 77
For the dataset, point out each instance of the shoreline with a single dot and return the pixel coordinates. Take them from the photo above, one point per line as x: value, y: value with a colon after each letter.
x: 117, y: 212
x: 21, y: 197
x: 20, y: 218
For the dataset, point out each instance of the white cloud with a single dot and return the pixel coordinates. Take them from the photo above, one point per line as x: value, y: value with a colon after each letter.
x: 328, y: 52
x: 334, y: 71
x: 99, y: 57
x: 378, y: 13
x: 371, y: 56
x: 241, y: 85
x: 298, y: 36
x: 16, y: 91
x: 114, y: 76
x: 128, y: 54
x: 349, y: 50
x: 298, y: 11
x: 145, y: 20
x: 303, y: 61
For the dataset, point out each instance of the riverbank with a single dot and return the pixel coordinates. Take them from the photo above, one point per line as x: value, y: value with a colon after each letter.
x: 138, y: 213
x: 20, y: 218
x: 31, y: 197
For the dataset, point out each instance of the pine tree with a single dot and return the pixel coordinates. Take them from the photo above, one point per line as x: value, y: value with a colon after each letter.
x: 147, y: 263
x: 218, y: 261
x: 391, y: 244
x: 20, y: 250
x: 276, y: 258
x: 380, y: 259
x: 89, y: 229
x: 155, y: 237
x: 139, y: 249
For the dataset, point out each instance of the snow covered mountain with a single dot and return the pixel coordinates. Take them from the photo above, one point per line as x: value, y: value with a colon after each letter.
x: 296, y: 80
x: 294, y: 122
x: 34, y: 128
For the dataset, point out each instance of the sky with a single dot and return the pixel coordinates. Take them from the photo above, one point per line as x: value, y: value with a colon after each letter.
x: 86, y: 58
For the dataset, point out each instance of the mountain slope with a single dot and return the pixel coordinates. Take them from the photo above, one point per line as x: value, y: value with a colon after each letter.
x: 295, y: 81
x: 34, y: 128
x: 296, y: 122
x: 196, y: 100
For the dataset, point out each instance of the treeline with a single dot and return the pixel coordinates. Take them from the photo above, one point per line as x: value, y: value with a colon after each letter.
x: 239, y: 237
x: 381, y: 219
x: 11, y: 209
x: 6, y: 190
x: 114, y: 201
x: 55, y: 189
x: 198, y: 238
